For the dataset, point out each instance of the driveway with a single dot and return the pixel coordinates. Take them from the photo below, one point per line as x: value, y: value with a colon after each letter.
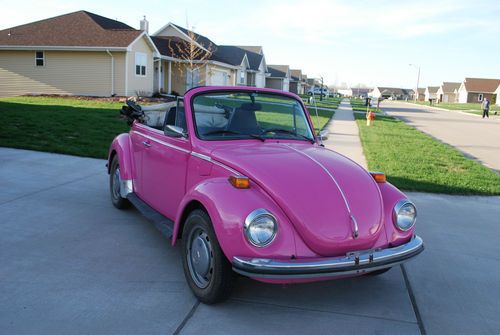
x: 476, y: 137
x: 71, y: 263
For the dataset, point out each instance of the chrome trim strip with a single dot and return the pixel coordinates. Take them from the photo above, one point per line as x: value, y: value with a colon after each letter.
x: 193, y: 153
x: 161, y: 142
x: 126, y: 187
x: 202, y: 156
x: 355, y: 229
x: 236, y: 173
x: 353, y: 263
x: 328, y: 172
x: 209, y: 159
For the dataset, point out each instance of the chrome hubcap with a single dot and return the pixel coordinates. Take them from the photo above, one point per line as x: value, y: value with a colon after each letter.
x: 200, y: 258
x: 116, y: 184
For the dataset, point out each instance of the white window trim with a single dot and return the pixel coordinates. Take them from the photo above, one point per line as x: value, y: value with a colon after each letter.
x: 138, y: 56
x: 37, y: 58
x: 480, y: 97
x: 242, y: 77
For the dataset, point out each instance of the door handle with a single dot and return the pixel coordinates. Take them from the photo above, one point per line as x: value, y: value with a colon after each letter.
x: 146, y: 144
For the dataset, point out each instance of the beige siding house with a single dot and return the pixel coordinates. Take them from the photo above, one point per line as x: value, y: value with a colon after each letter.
x: 217, y: 65
x: 447, y: 92
x: 80, y: 53
x: 172, y: 41
x: 279, y: 77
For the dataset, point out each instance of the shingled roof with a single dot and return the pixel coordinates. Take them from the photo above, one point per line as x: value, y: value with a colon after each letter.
x: 278, y: 71
x: 77, y: 29
x: 200, y: 39
x: 481, y: 85
x: 432, y: 89
x: 296, y: 74
x: 232, y: 54
x: 450, y: 87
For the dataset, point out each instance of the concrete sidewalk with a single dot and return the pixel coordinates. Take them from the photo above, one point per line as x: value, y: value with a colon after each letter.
x: 343, y: 134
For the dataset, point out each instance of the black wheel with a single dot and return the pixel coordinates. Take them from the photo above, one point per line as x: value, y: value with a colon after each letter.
x: 206, y: 268
x: 115, y: 184
x: 378, y: 272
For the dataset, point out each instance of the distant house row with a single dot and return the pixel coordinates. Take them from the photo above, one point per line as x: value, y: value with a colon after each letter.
x: 470, y: 90
x: 82, y: 53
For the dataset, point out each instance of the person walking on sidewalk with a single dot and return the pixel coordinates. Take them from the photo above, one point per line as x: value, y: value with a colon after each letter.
x: 486, y: 108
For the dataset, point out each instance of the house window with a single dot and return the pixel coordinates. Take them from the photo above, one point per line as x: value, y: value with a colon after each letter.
x: 40, y: 58
x: 480, y: 97
x: 141, y: 62
x: 242, y: 77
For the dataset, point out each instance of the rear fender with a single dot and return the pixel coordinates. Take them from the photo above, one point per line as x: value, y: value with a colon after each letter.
x: 228, y: 207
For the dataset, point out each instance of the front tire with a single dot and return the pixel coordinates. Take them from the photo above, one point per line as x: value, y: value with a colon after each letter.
x: 206, y: 268
x: 115, y: 185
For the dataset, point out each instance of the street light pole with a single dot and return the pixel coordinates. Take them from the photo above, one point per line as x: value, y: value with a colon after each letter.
x: 418, y: 80
x: 321, y: 90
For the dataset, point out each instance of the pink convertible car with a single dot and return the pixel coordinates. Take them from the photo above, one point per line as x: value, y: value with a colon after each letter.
x: 238, y: 176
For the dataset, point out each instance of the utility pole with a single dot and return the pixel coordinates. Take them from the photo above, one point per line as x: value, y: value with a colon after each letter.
x: 418, y: 80
x: 321, y: 90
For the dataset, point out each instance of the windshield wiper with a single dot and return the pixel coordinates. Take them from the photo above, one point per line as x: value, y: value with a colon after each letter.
x: 233, y: 132
x: 286, y: 131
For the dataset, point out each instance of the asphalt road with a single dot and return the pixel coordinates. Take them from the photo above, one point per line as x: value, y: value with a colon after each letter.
x: 70, y: 263
x: 476, y: 137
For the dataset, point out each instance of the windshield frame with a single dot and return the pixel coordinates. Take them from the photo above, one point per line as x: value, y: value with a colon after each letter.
x: 248, y: 137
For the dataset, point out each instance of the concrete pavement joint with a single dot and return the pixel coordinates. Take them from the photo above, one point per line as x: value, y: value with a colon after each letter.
x: 320, y: 311
x: 48, y: 188
x: 186, y: 319
x: 420, y: 322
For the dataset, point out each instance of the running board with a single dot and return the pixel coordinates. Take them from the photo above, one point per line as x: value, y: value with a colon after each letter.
x: 162, y: 223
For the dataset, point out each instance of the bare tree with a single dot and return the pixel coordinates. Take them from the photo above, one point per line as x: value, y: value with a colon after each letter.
x: 192, y: 57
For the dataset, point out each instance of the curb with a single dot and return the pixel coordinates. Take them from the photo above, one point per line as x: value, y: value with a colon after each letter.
x: 451, y: 110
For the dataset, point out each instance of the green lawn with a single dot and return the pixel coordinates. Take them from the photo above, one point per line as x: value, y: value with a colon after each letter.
x: 358, y: 105
x: 414, y: 161
x: 457, y: 106
x: 72, y: 126
x: 68, y: 126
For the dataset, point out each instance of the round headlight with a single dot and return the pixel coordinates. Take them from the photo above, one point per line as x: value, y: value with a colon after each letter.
x: 404, y: 215
x: 260, y: 227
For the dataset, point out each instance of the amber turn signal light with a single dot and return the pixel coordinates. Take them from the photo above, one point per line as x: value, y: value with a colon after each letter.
x: 379, y: 177
x: 239, y: 181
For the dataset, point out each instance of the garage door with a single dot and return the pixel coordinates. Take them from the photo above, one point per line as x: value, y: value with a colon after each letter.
x: 219, y: 78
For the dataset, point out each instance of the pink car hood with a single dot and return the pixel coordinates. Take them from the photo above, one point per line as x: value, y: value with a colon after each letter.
x: 319, y: 190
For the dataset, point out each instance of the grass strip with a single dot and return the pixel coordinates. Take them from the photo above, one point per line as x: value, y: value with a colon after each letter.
x: 415, y: 161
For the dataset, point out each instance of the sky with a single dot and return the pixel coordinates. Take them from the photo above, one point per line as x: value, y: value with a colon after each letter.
x: 352, y: 42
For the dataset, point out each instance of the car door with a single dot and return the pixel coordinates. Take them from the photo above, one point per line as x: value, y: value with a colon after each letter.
x: 164, y: 165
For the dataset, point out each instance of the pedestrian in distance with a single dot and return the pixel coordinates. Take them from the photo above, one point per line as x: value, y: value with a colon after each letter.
x: 486, y: 108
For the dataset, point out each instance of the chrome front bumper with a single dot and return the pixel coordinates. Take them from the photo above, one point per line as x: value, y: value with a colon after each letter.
x: 353, y: 263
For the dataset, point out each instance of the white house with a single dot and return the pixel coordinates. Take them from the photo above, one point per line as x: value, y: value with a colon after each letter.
x: 431, y: 93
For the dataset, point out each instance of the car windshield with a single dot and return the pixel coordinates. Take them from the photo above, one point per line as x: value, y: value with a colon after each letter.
x: 250, y: 115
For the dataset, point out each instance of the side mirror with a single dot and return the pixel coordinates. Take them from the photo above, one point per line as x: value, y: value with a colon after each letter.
x: 174, y: 131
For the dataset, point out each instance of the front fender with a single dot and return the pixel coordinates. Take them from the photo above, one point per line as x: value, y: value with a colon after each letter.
x: 228, y: 207
x: 122, y: 147
x: 391, y: 195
